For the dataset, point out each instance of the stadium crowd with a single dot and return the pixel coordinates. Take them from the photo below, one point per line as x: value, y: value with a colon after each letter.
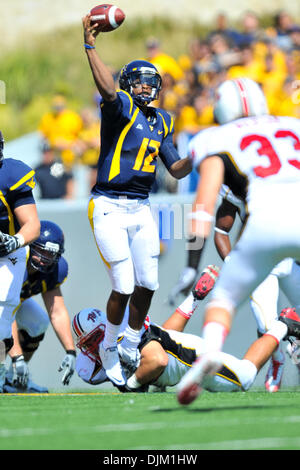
x: 270, y: 56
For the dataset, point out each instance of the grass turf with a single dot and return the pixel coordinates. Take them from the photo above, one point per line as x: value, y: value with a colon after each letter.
x: 112, y: 421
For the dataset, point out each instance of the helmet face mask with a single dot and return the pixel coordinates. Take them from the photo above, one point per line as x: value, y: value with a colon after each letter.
x: 44, y: 259
x: 89, y: 327
x: 89, y: 344
x: 46, y: 251
x: 136, y: 74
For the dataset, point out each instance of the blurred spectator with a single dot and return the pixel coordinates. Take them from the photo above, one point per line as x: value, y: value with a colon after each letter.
x: 232, y: 36
x: 288, y: 103
x: 272, y: 80
x: 54, y: 181
x: 249, y: 66
x: 223, y: 55
x: 61, y: 126
x: 251, y: 30
x: 196, y: 114
x: 168, y: 97
x: 89, y: 142
x: 283, y: 24
x: 163, y: 62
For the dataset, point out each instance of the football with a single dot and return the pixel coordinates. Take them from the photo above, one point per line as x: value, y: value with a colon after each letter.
x: 108, y: 17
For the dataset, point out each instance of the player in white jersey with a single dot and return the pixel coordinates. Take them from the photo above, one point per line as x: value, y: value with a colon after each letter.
x: 258, y: 157
x: 264, y: 300
x: 166, y: 354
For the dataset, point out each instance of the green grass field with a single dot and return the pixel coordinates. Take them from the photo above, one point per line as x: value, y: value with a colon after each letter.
x: 112, y: 421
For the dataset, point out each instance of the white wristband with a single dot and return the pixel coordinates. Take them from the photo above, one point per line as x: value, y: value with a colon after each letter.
x: 133, y: 383
x: 219, y: 230
x: 201, y: 215
x: 21, y: 239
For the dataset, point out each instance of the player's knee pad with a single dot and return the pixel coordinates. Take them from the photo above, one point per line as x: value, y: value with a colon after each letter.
x: 150, y: 284
x: 28, y: 343
x: 122, y: 277
x: 147, y: 276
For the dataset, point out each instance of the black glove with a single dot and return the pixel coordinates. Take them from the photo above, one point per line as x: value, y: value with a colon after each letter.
x: 8, y: 244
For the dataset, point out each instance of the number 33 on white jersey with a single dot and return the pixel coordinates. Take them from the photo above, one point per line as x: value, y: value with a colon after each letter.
x: 259, y: 153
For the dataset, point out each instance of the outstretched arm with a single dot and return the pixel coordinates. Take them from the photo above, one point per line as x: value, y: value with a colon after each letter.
x: 60, y: 320
x: 154, y: 360
x: 181, y: 168
x: 102, y: 75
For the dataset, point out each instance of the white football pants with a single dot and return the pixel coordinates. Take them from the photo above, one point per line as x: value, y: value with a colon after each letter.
x: 127, y: 240
x: 12, y: 269
x: 32, y: 318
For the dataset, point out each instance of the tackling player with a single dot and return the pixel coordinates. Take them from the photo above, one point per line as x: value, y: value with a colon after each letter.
x: 257, y: 156
x: 19, y: 226
x: 167, y: 353
x: 133, y: 136
x: 46, y: 271
x: 263, y: 301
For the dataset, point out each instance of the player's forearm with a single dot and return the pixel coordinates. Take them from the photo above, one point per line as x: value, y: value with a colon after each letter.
x: 16, y: 349
x: 154, y: 360
x: 61, y: 324
x: 102, y: 76
x: 59, y: 317
x: 181, y: 168
x: 223, y: 245
x: 29, y: 223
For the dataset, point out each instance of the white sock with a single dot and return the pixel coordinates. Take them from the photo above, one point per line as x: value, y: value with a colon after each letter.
x: 111, y: 335
x: 133, y: 383
x: 132, y: 338
x: 278, y: 330
x: 188, y: 306
x: 214, y: 335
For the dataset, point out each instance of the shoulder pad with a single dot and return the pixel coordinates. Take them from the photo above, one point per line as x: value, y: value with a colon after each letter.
x: 167, y: 121
x: 18, y: 175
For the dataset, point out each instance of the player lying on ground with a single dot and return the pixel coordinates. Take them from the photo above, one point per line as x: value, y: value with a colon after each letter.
x: 167, y: 353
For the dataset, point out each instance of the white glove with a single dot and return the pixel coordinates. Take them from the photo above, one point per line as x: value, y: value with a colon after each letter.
x: 68, y: 364
x: 20, y: 371
x: 8, y: 244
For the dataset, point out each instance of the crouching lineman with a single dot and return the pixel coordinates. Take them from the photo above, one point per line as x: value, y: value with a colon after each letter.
x: 19, y: 226
x: 46, y: 271
x: 167, y: 353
